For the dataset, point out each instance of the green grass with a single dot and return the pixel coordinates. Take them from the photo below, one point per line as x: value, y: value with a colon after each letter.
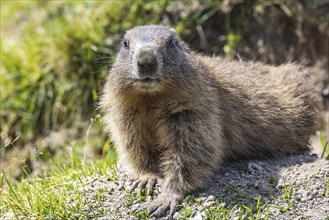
x: 221, y: 210
x: 246, y: 208
x: 324, y: 143
x: 48, y: 196
x: 272, y: 179
x: 142, y: 214
x: 133, y: 197
x: 185, y: 210
x: 218, y: 211
x: 56, y: 194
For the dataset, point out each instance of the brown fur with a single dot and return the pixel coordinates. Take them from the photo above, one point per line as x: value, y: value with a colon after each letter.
x: 201, y: 112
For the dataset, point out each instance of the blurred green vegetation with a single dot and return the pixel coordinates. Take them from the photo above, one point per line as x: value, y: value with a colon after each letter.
x: 55, y: 55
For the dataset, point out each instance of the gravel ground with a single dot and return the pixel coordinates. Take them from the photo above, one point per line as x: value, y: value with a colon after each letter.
x: 291, y: 188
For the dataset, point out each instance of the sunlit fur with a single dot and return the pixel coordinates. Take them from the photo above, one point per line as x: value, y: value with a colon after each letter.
x: 203, y: 111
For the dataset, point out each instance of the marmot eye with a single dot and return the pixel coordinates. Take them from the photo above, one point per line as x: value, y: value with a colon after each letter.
x: 126, y: 43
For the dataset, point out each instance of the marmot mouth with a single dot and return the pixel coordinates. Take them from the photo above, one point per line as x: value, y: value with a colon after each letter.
x: 147, y: 82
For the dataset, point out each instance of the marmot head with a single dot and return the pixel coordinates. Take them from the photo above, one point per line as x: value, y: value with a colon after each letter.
x: 151, y: 58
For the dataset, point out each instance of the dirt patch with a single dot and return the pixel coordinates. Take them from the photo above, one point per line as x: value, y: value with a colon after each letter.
x: 293, y: 187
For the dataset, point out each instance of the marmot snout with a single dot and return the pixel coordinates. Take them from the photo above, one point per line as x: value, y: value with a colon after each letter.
x: 147, y: 66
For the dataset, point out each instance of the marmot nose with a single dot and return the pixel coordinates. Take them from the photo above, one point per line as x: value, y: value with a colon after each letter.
x: 147, y: 62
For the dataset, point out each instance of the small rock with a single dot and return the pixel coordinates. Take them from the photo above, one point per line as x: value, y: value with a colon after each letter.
x: 176, y: 215
x: 255, y: 166
x: 208, y: 204
x: 198, y: 216
x: 135, y: 207
x: 110, y: 189
x: 303, y: 195
x: 121, y: 187
x: 210, y: 198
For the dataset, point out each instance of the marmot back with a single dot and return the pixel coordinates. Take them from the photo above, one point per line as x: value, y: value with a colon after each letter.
x: 269, y: 110
x: 176, y: 116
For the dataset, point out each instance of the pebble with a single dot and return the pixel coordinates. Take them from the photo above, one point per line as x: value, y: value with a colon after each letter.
x: 176, y: 215
x: 208, y: 204
x: 121, y: 187
x: 135, y: 207
x: 198, y: 216
x: 302, y: 194
x: 255, y: 166
x: 110, y: 189
x: 210, y: 198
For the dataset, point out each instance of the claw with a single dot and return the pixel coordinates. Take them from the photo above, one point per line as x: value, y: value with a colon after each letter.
x: 141, y: 184
x: 150, y: 185
x: 163, y: 203
x: 154, y: 206
x: 134, y: 185
x: 160, y: 211
x: 144, y: 181
x: 173, y: 208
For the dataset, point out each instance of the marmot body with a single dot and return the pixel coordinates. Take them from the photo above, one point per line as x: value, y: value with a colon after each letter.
x: 176, y: 115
